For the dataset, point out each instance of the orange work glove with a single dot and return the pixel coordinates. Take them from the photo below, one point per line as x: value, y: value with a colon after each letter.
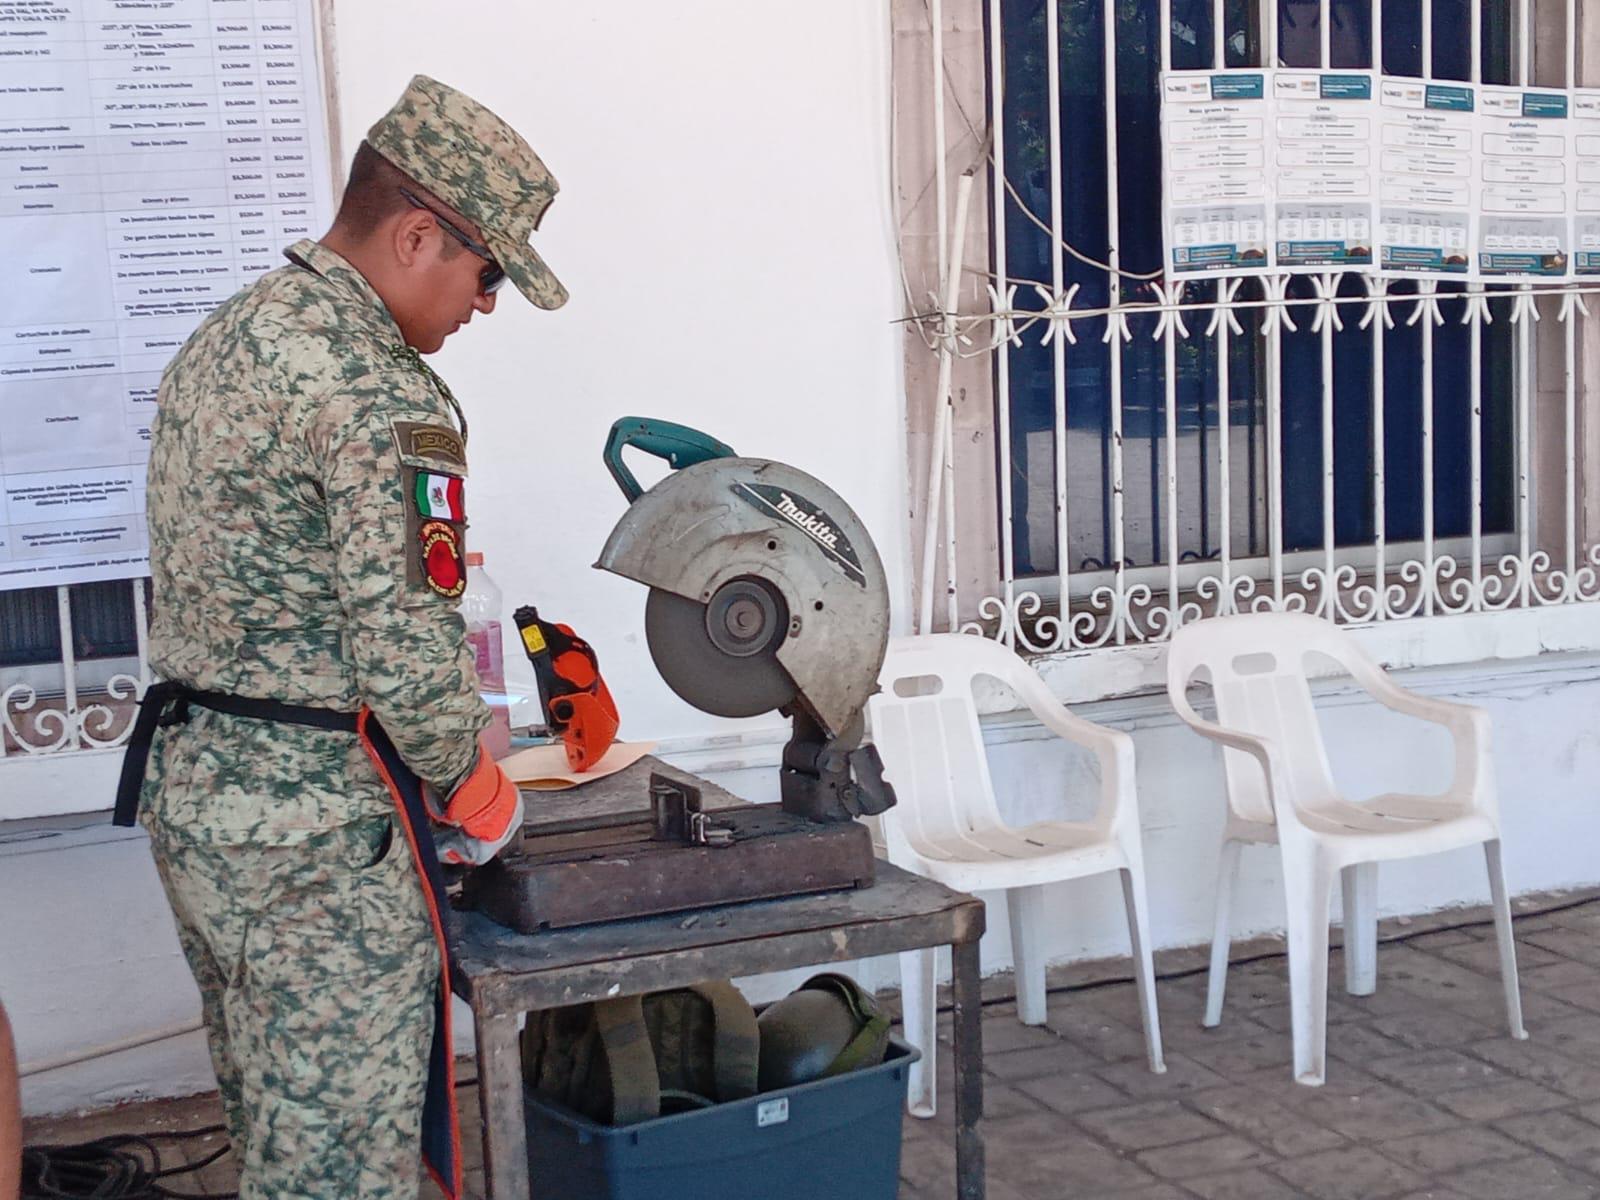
x: 485, y: 805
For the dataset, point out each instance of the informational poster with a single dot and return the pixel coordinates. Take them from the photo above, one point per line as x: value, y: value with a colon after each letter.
x: 1585, y: 186
x: 155, y: 156
x: 1215, y: 128
x: 1524, y: 231
x: 1427, y: 219
x: 1324, y: 180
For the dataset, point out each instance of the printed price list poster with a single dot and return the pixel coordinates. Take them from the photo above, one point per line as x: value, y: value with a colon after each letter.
x: 1214, y: 128
x: 1586, y: 181
x: 1524, y: 229
x: 155, y: 157
x: 1426, y: 213
x: 1325, y: 187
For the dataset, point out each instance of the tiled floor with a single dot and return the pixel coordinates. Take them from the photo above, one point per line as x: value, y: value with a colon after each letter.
x: 1427, y: 1099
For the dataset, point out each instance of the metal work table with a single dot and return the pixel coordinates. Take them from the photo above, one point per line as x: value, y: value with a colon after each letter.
x: 503, y: 974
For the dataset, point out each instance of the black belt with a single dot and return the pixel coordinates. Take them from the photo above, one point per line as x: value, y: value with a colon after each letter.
x: 167, y: 704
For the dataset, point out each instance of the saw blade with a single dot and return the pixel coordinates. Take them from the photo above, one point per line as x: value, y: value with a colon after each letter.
x: 709, y: 678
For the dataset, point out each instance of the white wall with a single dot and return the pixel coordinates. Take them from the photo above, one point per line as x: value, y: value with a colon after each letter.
x: 724, y: 228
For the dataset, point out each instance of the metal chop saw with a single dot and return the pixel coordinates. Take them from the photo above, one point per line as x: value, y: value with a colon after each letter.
x: 766, y: 592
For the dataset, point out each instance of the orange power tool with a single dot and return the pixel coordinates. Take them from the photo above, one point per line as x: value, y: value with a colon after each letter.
x: 576, y: 702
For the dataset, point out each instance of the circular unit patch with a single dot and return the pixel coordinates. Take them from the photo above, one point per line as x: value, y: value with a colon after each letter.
x: 442, y: 566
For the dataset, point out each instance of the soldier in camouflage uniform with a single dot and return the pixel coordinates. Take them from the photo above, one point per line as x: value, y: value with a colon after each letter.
x: 306, y: 520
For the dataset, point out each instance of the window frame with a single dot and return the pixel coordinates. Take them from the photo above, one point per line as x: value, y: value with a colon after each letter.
x: 969, y: 567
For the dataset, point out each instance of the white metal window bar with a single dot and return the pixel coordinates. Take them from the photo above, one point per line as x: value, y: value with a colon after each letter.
x: 1355, y: 585
x: 72, y: 705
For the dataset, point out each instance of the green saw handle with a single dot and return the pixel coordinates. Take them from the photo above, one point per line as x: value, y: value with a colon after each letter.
x: 679, y: 445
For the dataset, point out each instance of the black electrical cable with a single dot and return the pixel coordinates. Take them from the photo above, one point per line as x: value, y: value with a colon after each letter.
x: 125, y: 1166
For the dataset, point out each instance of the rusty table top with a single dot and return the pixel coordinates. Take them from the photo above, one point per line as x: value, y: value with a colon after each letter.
x: 498, y: 969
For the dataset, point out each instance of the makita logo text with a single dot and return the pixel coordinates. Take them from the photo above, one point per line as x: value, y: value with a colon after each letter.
x: 815, y: 526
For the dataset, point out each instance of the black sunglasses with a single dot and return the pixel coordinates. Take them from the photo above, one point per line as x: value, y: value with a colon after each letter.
x: 492, y: 275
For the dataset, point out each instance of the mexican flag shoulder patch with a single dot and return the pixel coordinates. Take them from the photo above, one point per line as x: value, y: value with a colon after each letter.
x: 440, y: 496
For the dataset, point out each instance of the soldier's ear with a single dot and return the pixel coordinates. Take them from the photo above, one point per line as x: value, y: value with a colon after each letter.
x: 410, y: 237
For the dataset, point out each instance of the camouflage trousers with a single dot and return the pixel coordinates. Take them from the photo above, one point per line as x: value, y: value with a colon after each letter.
x: 316, y: 965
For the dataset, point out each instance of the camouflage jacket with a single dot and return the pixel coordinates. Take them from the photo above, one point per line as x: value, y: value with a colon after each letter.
x: 306, y: 523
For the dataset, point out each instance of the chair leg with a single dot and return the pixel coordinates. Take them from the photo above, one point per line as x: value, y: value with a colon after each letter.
x: 1025, y: 908
x: 1360, y: 885
x: 1217, y: 979
x: 1133, y: 899
x: 1308, y: 889
x: 919, y: 1006
x: 1503, y: 936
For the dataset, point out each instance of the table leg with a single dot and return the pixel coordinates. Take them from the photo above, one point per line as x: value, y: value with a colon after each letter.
x: 969, y: 1069
x: 505, y: 1137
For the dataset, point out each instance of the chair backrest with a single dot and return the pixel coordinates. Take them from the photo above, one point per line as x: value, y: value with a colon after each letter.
x: 1257, y: 668
x: 925, y: 725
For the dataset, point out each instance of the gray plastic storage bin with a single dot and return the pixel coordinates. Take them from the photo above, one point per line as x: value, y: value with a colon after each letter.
x: 837, y: 1139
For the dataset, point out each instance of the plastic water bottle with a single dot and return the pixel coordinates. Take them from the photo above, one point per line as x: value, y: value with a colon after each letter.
x: 481, y: 606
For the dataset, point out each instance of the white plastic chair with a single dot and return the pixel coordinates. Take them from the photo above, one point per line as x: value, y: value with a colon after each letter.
x: 1280, y: 789
x: 948, y: 827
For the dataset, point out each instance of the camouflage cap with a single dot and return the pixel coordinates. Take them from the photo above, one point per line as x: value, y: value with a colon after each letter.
x: 479, y: 166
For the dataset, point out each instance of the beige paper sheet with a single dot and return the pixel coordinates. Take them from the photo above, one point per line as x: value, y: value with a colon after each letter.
x: 544, y: 768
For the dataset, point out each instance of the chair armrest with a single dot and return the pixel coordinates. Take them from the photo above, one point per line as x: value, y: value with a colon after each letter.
x: 1067, y: 725
x: 1469, y: 725
x: 1262, y: 749
x: 1450, y: 713
x: 1258, y: 748
x: 1112, y: 749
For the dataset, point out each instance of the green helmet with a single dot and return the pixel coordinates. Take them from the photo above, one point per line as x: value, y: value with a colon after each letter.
x: 828, y: 1026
